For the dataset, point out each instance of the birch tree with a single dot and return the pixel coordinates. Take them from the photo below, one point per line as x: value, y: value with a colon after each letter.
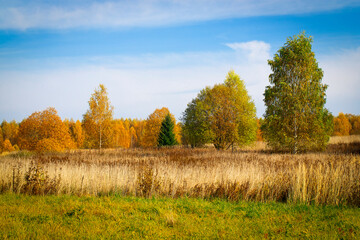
x: 224, y: 115
x: 97, y: 120
x: 295, y: 118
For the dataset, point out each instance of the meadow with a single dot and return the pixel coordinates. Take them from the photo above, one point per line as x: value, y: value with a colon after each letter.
x: 176, y: 193
x: 254, y: 173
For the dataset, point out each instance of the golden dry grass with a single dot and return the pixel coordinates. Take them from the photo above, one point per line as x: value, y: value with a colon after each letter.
x: 332, y: 177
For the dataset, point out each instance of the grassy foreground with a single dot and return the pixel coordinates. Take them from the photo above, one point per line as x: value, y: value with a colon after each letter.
x: 68, y: 217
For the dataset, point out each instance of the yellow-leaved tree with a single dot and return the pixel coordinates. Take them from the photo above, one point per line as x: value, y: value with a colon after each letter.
x: 224, y: 115
x: 44, y: 131
x: 121, y: 134
x: 97, y: 120
x: 137, y: 130
x: 7, y: 146
x: 1, y: 140
x: 76, y: 132
x: 153, y: 125
x: 342, y: 125
x: 10, y: 131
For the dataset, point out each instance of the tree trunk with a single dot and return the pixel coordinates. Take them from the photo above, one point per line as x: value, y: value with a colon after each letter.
x: 100, y: 138
x: 295, y: 136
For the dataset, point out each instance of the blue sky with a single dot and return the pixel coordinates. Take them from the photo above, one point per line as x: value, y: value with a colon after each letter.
x: 155, y: 53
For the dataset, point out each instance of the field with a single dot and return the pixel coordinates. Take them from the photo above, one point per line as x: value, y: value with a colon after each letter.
x: 114, y: 217
x: 159, y: 186
x: 331, y: 177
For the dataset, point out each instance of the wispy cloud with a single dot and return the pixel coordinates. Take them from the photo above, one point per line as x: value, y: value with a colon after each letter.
x: 255, y: 50
x: 137, y: 84
x: 21, y: 14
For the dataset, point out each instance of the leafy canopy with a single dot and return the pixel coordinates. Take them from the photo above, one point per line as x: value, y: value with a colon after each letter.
x: 153, y: 126
x: 295, y: 117
x: 97, y: 119
x: 223, y: 115
x: 41, y: 128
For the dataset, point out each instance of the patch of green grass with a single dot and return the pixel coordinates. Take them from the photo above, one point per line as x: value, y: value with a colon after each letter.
x: 68, y: 217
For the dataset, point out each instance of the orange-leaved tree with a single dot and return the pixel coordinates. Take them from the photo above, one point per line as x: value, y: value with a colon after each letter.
x: 355, y: 123
x: 42, y: 128
x: 1, y: 140
x: 121, y: 134
x: 10, y: 131
x: 259, y: 133
x: 153, y: 125
x: 76, y: 132
x: 137, y: 130
x: 7, y: 146
x: 342, y: 126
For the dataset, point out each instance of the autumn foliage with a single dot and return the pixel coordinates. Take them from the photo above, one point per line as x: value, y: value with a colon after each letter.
x: 342, y: 126
x: 223, y: 115
x: 97, y: 120
x: 7, y: 146
x: 346, y: 124
x: 153, y: 125
x: 296, y: 119
x: 44, y: 131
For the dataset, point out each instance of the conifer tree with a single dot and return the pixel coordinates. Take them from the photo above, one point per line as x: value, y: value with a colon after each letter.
x: 167, y: 135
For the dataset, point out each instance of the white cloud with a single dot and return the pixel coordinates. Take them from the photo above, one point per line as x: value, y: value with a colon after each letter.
x: 17, y: 14
x: 137, y: 84
x: 342, y: 74
x: 255, y: 50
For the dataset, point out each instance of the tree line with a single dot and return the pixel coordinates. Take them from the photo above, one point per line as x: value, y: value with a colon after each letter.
x: 224, y: 115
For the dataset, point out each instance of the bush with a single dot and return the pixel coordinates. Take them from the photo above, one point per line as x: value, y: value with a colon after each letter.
x: 38, y: 182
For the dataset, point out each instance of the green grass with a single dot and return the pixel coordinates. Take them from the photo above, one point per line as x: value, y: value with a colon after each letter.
x: 69, y: 217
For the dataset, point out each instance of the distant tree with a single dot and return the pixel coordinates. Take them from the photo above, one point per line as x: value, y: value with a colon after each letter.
x: 223, y: 115
x: 342, y: 126
x: 259, y: 122
x: 137, y: 132
x: 295, y: 118
x: 77, y: 133
x: 10, y: 131
x: 167, y: 135
x: 7, y: 146
x: 355, y: 123
x: 97, y: 120
x: 153, y: 125
x: 45, y: 126
x: 1, y: 140
x: 121, y: 137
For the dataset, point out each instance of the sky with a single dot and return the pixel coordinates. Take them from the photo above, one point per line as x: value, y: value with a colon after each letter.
x: 151, y: 54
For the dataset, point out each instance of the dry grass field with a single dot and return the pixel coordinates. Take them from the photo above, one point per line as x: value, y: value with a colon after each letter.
x: 331, y: 177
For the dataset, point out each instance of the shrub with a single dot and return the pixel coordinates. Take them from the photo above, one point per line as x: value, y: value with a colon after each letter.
x: 38, y: 182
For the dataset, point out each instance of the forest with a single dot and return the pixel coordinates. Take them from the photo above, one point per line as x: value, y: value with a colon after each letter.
x: 118, y: 133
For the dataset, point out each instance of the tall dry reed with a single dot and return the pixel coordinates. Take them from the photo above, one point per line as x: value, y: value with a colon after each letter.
x: 332, y: 177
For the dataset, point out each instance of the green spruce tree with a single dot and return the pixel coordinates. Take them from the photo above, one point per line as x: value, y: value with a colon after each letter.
x: 167, y: 135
